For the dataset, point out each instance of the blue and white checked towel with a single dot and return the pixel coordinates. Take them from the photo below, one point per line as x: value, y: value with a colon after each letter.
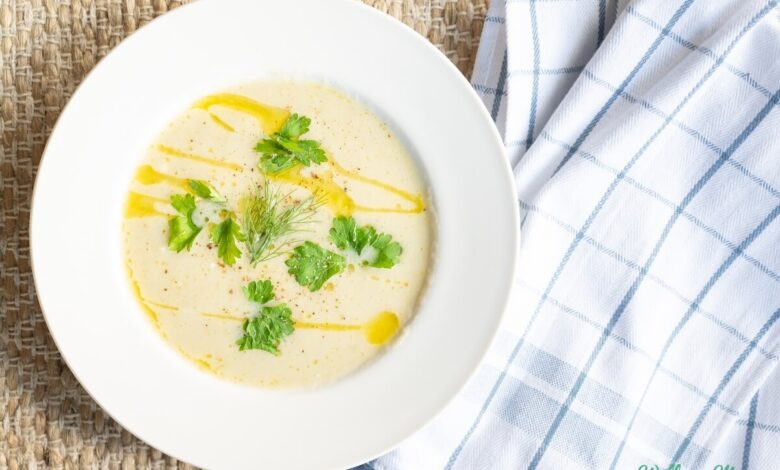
x: 643, y: 329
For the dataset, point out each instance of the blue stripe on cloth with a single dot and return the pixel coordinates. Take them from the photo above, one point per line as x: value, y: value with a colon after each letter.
x: 529, y: 409
x: 603, y: 400
x: 761, y: 426
x: 631, y: 347
x: 675, y: 216
x: 633, y: 265
x: 517, y: 143
x: 654, y: 110
x: 544, y: 374
x: 751, y: 424
x: 495, y: 19
x: 540, y: 71
x: 488, y: 90
x: 655, y: 195
x: 722, y: 385
x: 688, y: 130
x: 596, y: 119
x: 629, y: 78
x: 499, y: 88
x: 535, y: 82
x: 703, y: 293
x: 704, y: 50
x: 602, y: 22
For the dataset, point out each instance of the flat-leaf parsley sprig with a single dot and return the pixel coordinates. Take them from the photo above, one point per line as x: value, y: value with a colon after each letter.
x: 273, y: 323
x: 311, y: 265
x: 226, y: 235
x: 285, y: 149
x: 376, y: 249
x: 260, y: 292
x: 204, y: 190
x: 182, y: 229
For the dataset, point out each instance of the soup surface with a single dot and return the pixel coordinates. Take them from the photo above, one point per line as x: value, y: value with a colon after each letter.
x: 271, y: 250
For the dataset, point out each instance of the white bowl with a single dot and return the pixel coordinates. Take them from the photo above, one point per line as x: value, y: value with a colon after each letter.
x: 77, y: 213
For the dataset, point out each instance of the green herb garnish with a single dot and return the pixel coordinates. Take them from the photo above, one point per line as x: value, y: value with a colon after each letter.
x: 284, y: 149
x: 312, y: 265
x: 225, y: 235
x: 295, y: 126
x: 379, y: 248
x: 205, y: 190
x: 266, y: 330
x: 181, y: 229
x: 267, y: 220
x: 259, y: 291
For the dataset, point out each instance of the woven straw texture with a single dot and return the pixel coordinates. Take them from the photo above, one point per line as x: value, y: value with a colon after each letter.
x: 47, y: 47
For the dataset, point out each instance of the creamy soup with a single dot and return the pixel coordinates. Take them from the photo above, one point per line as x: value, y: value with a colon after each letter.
x: 277, y: 234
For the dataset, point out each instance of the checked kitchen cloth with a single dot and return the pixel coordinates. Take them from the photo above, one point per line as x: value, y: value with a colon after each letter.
x: 643, y: 330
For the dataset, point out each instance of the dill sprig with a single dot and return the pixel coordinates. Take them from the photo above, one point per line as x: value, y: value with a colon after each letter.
x: 270, y: 216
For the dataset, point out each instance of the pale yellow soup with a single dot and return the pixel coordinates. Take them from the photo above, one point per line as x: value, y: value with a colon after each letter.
x: 196, y: 302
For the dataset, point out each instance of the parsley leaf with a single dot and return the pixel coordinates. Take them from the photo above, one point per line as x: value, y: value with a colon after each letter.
x: 269, y: 146
x: 205, y: 190
x: 259, y: 291
x: 276, y: 163
x: 345, y: 234
x: 295, y: 126
x: 312, y: 265
x: 181, y: 229
x: 266, y: 330
x: 284, y: 150
x: 383, y: 253
x: 224, y: 235
x: 305, y: 152
x: 387, y: 251
x: 274, y: 158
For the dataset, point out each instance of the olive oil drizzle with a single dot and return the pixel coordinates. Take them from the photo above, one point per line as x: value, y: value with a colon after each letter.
x: 336, y: 197
x: 416, y: 199
x: 221, y: 316
x: 142, y: 205
x: 202, y: 363
x: 270, y: 118
x: 172, y: 152
x: 147, y: 175
x: 145, y: 304
x: 221, y: 123
x: 377, y: 331
x: 162, y: 306
x: 332, y: 195
x: 327, y: 326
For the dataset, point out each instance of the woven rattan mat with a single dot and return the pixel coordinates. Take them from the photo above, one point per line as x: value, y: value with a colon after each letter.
x: 46, y: 418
